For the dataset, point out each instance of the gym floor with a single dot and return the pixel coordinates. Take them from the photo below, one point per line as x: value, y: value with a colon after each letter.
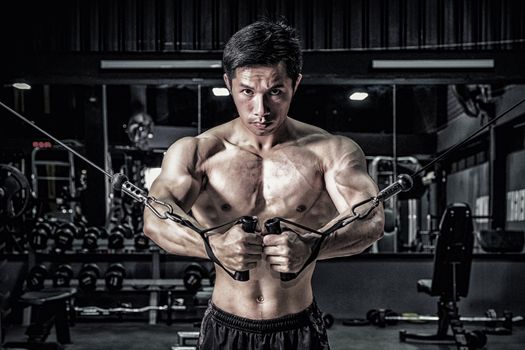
x: 139, y: 336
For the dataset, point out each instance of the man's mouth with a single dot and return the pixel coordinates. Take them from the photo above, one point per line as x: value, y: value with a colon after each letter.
x: 261, y: 126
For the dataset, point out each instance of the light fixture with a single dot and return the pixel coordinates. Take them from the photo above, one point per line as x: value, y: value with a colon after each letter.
x: 22, y: 86
x: 220, y: 91
x: 358, y: 96
x: 160, y: 64
x: 434, y: 64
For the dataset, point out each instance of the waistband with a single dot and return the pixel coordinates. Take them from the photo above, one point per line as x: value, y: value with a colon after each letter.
x: 284, y: 323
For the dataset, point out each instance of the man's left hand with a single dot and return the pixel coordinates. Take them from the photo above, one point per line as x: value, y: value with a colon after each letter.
x: 287, y: 252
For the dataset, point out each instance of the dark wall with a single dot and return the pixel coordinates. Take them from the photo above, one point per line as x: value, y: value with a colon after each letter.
x: 351, y: 288
x: 171, y: 25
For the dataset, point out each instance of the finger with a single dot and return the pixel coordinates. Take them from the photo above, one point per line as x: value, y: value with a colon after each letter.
x: 276, y: 260
x: 271, y: 240
x: 279, y: 268
x: 273, y: 250
x: 253, y: 249
x: 252, y: 258
x: 254, y: 239
x: 250, y: 266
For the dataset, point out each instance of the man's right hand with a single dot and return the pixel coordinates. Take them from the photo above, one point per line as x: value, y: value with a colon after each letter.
x: 236, y: 249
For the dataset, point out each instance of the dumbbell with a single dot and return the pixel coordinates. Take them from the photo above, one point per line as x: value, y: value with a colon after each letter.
x: 36, y: 277
x: 381, y: 317
x: 328, y: 320
x: 117, y: 235
x: 141, y: 241
x: 40, y: 234
x: 81, y: 228
x: 273, y: 226
x: 88, y: 276
x: 114, y: 276
x: 476, y: 339
x: 62, y: 276
x: 91, y: 237
x: 192, y: 278
x: 64, y: 235
x: 248, y: 224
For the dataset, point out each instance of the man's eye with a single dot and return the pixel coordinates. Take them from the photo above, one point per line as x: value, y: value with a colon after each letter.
x: 275, y: 92
x: 247, y: 92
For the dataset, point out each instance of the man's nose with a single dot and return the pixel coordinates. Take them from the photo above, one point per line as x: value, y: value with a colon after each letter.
x: 260, y: 107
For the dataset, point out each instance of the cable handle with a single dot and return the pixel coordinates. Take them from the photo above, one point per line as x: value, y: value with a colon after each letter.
x: 248, y: 224
x: 273, y: 226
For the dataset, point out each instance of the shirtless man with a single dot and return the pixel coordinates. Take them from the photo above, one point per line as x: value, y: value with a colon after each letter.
x: 263, y: 164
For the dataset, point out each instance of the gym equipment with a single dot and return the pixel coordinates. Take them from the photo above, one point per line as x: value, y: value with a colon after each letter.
x: 49, y: 308
x: 114, y: 276
x: 40, y: 234
x: 53, y: 178
x: 274, y: 227
x: 117, y: 235
x: 62, y: 276
x: 91, y: 237
x: 193, y: 275
x: 384, y: 317
x: 99, y: 311
x: 88, y: 276
x: 450, y: 280
x: 186, y: 338
x: 141, y: 241
x: 502, y: 241
x: 64, y: 235
x: 328, y: 320
x: 36, y: 277
x: 15, y: 192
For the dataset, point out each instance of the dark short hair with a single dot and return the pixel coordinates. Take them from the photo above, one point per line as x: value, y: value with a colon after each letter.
x: 264, y: 43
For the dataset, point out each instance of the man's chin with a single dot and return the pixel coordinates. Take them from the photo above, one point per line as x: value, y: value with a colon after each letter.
x: 262, y: 131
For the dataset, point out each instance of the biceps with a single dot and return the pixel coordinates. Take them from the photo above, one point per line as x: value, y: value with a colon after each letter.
x: 347, y: 188
x: 182, y: 189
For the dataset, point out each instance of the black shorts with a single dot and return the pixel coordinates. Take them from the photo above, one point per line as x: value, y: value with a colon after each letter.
x: 303, y: 331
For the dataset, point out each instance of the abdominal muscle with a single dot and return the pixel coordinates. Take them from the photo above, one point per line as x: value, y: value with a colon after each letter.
x: 264, y: 296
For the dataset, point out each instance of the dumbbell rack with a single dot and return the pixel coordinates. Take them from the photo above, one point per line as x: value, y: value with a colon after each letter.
x: 153, y: 286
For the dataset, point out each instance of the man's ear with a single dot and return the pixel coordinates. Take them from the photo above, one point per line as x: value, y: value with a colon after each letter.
x: 299, y: 77
x: 227, y: 82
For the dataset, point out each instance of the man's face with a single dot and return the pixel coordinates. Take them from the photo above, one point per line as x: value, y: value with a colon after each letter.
x: 262, y: 95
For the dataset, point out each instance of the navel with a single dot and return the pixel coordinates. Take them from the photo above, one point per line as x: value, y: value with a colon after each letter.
x: 260, y: 299
x: 226, y: 207
x: 301, y: 208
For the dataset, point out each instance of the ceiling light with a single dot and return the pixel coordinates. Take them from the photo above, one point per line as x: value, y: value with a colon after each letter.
x: 220, y: 91
x: 22, y: 86
x: 358, y: 96
x: 160, y: 64
x: 434, y: 64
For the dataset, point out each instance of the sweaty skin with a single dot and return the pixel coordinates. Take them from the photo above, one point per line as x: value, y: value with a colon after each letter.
x: 264, y: 164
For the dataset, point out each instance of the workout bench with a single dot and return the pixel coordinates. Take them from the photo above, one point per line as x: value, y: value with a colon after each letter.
x: 450, y: 280
x: 50, y: 308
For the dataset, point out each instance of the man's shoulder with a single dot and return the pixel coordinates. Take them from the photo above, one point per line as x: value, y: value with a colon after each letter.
x: 316, y: 136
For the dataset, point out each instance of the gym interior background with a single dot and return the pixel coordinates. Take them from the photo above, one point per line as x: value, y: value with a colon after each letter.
x: 119, y: 81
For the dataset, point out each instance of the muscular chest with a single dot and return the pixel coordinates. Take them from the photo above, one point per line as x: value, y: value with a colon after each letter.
x: 282, y: 179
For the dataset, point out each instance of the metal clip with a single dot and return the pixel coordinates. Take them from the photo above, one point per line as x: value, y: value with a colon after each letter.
x: 168, y: 213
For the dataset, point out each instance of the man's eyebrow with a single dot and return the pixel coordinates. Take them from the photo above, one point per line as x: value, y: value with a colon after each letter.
x: 278, y: 85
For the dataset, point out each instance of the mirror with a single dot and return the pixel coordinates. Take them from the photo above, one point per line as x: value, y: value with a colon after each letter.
x: 401, y: 129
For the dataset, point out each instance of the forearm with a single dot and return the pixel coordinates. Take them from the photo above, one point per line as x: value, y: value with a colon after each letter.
x: 174, y: 238
x: 353, y: 238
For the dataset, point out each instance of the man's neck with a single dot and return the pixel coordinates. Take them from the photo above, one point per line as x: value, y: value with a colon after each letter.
x: 262, y: 143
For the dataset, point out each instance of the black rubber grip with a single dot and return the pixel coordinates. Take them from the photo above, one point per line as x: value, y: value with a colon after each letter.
x: 273, y: 226
x: 248, y: 224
